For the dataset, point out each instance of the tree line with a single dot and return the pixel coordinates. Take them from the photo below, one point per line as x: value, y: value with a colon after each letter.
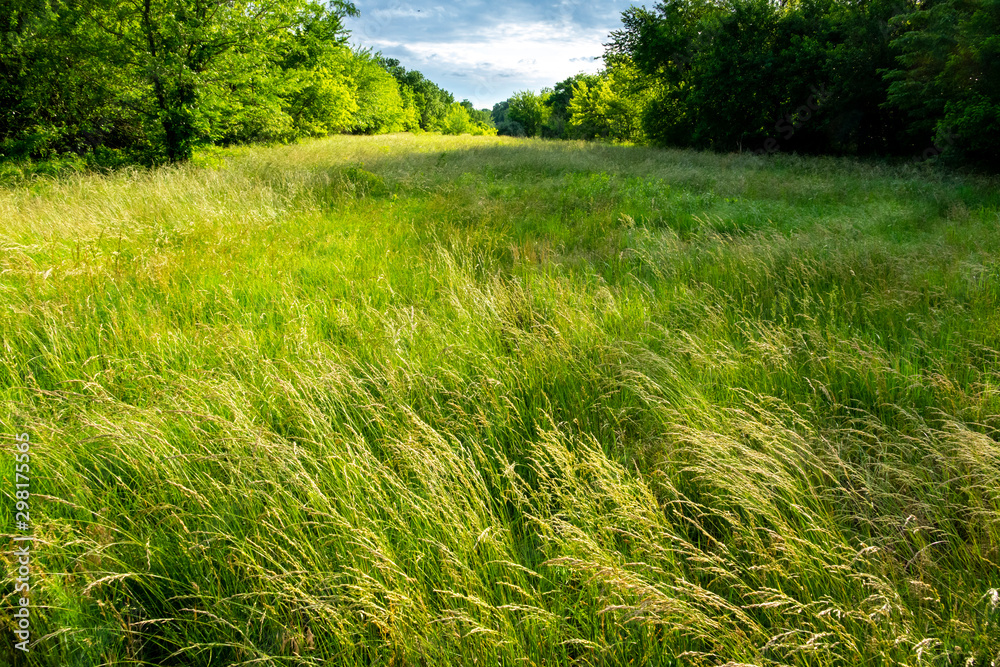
x: 124, y: 81
x: 859, y: 77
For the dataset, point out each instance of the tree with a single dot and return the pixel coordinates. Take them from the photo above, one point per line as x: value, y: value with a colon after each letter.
x: 481, y: 118
x: 744, y: 74
x: 612, y: 105
x: 380, y: 104
x: 462, y: 118
x: 431, y: 102
x: 947, y: 80
x: 318, y: 94
x: 528, y: 110
x: 557, y: 126
x: 176, y: 47
x: 502, y: 121
x: 146, y: 80
x: 55, y: 95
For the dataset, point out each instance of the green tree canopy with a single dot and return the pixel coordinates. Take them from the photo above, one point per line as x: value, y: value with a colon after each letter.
x: 948, y: 78
x: 153, y: 78
x: 528, y: 110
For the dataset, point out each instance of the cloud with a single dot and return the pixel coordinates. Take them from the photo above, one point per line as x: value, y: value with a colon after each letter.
x: 485, y: 51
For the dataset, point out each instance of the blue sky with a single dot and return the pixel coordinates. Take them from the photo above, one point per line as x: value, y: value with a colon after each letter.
x: 486, y: 50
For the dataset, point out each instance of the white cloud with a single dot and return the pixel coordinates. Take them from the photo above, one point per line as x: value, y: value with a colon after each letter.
x: 537, y: 54
x: 486, y: 55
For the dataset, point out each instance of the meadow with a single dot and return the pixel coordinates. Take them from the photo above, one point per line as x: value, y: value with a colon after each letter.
x: 426, y: 401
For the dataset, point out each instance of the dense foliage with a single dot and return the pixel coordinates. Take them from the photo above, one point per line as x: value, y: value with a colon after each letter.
x: 126, y: 81
x: 431, y: 108
x: 122, y: 81
x: 885, y: 77
x: 949, y: 80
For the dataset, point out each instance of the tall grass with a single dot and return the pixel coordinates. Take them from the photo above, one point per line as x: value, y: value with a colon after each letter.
x: 453, y: 401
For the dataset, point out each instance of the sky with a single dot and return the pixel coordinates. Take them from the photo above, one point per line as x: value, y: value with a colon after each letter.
x: 485, y: 50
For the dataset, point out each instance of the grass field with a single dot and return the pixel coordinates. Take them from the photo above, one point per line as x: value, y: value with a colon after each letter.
x: 450, y: 401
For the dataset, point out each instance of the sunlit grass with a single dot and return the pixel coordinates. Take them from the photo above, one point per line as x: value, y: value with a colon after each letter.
x: 453, y: 401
